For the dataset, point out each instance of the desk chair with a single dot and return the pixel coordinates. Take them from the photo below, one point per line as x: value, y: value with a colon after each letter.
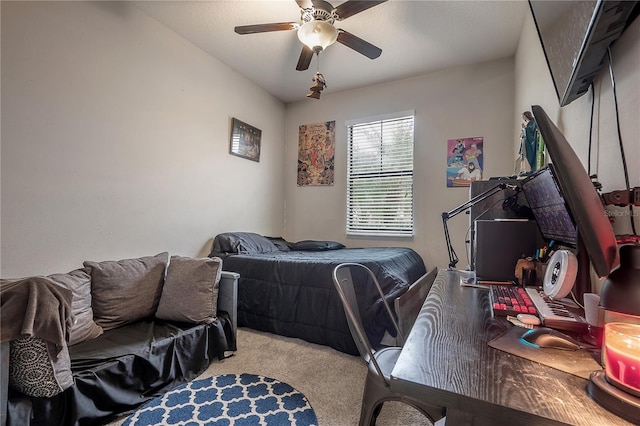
x: 380, y: 363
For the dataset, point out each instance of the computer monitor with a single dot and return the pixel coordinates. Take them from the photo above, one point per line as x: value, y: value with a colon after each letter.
x: 549, y: 208
x: 583, y: 204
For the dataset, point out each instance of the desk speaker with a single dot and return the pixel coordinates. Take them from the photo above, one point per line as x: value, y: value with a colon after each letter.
x: 499, y: 244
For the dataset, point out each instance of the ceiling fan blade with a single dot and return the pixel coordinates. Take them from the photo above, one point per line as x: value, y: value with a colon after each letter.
x: 358, y: 44
x: 305, y: 58
x: 304, y: 4
x: 322, y: 5
x: 351, y: 7
x: 263, y: 28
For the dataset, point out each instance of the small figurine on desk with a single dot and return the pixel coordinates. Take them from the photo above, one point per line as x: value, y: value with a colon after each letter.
x: 525, y: 272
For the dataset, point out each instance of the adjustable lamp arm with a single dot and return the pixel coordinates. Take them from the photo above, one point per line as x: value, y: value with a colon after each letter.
x: 453, y: 257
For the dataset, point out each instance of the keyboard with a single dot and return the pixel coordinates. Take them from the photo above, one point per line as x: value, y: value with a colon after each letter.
x: 554, y: 314
x: 511, y: 300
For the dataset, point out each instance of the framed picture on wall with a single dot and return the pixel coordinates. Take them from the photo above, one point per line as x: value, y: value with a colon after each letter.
x: 245, y: 140
x: 465, y: 161
x: 316, y: 150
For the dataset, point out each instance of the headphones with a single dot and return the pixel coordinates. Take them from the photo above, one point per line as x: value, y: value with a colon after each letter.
x: 511, y: 203
x: 560, y: 275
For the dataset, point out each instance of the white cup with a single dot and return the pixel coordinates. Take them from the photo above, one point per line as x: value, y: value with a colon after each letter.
x: 592, y: 309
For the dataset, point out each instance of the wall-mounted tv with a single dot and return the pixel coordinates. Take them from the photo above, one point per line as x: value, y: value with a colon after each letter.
x: 575, y: 36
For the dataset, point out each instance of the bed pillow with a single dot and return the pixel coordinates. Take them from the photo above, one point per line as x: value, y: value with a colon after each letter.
x: 312, y: 245
x: 190, y: 291
x: 242, y: 243
x: 281, y: 243
x: 79, y: 282
x: 126, y: 290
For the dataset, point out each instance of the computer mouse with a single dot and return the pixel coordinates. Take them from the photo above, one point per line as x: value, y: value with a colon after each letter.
x: 544, y: 337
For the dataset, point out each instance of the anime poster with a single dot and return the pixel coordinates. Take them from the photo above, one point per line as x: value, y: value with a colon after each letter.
x: 464, y: 161
x: 316, y: 147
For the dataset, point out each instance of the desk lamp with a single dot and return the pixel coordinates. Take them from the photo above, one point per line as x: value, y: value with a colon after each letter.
x: 617, y: 388
x: 453, y: 257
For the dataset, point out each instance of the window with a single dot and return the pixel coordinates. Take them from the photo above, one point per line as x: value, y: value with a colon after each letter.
x: 380, y: 176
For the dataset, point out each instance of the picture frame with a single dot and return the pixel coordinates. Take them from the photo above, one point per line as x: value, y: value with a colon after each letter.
x: 245, y: 140
x: 316, y: 152
x: 465, y: 161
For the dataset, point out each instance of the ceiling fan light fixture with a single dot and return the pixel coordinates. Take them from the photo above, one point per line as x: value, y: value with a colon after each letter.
x: 317, y: 35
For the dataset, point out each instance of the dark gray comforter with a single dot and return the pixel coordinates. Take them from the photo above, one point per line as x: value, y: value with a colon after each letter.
x: 291, y: 293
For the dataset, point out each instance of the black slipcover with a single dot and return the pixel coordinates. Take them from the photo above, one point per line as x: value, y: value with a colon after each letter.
x: 124, y: 368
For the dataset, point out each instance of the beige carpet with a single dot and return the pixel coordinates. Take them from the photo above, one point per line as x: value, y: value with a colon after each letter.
x: 332, y: 381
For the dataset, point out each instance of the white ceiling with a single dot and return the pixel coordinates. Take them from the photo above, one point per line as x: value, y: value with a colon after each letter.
x: 416, y: 37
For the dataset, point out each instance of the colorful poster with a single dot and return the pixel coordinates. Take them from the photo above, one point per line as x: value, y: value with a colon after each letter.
x: 464, y: 161
x: 316, y: 148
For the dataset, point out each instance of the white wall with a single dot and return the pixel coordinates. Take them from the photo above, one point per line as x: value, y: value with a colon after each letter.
x: 463, y: 102
x: 115, y: 136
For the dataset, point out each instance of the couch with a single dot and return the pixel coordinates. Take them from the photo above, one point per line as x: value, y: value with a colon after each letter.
x: 96, y: 343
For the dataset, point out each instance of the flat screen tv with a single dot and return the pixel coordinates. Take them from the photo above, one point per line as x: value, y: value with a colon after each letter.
x: 581, y: 199
x: 575, y: 36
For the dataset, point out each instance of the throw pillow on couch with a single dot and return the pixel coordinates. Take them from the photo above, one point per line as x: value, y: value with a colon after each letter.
x: 83, y: 327
x: 128, y: 290
x: 190, y: 291
x: 124, y: 291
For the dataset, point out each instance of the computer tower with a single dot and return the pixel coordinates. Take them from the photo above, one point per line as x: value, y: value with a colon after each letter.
x: 499, y: 244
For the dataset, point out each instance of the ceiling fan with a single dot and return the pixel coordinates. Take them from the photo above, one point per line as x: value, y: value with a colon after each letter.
x: 316, y: 30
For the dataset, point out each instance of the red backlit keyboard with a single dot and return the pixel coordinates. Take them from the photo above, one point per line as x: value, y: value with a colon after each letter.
x: 511, y: 300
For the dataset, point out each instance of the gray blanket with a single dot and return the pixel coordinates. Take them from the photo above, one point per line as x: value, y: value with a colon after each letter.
x: 37, y: 307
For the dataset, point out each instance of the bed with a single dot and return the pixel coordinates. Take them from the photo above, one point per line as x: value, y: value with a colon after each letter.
x: 286, y: 288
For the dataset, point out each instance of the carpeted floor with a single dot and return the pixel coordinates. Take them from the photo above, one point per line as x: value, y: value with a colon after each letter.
x: 332, y: 381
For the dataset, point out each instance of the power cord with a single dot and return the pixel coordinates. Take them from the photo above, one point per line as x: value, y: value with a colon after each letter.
x: 624, y: 160
x: 593, y: 101
x: 573, y: 296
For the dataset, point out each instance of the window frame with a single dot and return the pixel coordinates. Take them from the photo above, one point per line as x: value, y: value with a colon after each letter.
x: 393, y: 176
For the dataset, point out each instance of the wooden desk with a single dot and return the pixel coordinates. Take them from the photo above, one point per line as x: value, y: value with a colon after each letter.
x: 447, y: 361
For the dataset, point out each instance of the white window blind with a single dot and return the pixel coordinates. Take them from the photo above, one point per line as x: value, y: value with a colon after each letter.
x: 380, y: 176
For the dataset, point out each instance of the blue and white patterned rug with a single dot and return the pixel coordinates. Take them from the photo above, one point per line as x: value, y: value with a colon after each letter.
x: 228, y: 400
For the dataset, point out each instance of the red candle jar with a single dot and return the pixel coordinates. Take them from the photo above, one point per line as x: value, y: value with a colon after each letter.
x: 621, y: 356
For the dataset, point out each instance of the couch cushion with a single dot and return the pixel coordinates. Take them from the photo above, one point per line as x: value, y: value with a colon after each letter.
x: 126, y: 290
x: 190, y: 291
x: 79, y: 282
